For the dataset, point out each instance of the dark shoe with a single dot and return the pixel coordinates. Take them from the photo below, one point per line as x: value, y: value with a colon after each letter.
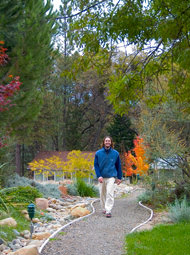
x: 108, y: 215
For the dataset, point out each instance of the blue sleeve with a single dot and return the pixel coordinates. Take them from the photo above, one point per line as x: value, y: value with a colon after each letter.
x: 96, y: 166
x: 118, y: 167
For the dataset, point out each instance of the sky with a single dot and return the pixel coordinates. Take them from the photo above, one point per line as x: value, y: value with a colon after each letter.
x: 56, y: 4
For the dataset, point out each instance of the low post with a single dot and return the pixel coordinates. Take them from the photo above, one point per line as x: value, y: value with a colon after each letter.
x: 31, y: 212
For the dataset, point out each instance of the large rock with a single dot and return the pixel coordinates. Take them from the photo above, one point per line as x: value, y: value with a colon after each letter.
x: 26, y: 234
x: 2, y: 247
x: 35, y: 220
x: 78, y: 205
x: 50, y: 209
x: 25, y: 213
x: 41, y: 235
x: 37, y: 243
x: 9, y: 222
x: 27, y: 250
x: 79, y: 212
x: 41, y: 203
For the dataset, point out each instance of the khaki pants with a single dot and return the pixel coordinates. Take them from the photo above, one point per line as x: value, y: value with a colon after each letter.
x: 107, y: 194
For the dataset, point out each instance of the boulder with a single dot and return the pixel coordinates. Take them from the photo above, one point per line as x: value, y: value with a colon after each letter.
x: 25, y: 234
x: 9, y: 222
x: 24, y: 212
x: 41, y: 235
x: 79, y: 205
x: 26, y: 216
x: 79, y: 212
x: 27, y: 250
x: 41, y: 203
x: 50, y: 209
x: 37, y: 243
x: 2, y: 241
x: 2, y: 247
x: 35, y: 220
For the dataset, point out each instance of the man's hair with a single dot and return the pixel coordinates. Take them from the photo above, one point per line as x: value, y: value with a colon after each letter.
x: 107, y: 136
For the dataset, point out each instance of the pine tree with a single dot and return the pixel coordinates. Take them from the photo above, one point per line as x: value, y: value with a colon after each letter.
x: 27, y: 27
x: 122, y: 133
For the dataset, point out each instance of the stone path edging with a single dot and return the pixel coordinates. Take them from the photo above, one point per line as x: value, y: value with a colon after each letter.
x: 150, y: 218
x: 151, y: 214
x: 68, y: 224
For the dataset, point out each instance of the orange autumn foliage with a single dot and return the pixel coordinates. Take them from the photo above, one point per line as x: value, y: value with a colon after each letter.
x: 136, y: 164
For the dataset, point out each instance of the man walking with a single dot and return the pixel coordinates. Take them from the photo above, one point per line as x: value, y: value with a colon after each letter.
x: 107, y: 166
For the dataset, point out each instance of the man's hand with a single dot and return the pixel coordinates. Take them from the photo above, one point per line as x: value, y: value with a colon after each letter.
x: 100, y: 179
x: 118, y: 181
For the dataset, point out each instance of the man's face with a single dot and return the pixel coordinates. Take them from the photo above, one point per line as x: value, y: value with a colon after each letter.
x: 107, y: 142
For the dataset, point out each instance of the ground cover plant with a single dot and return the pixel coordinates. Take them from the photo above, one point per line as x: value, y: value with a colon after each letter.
x: 180, y: 211
x: 162, y: 240
x: 47, y: 190
x: 9, y: 233
x: 12, y: 201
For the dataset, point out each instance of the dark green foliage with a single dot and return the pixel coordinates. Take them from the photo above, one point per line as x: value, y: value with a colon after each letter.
x: 182, y: 189
x: 122, y: 133
x: 85, y: 190
x: 27, y: 27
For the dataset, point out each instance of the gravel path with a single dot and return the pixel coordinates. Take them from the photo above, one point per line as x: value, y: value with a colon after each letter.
x: 98, y: 235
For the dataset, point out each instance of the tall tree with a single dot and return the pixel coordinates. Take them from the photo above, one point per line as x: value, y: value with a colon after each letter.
x: 122, y: 133
x: 30, y: 50
x: 160, y: 32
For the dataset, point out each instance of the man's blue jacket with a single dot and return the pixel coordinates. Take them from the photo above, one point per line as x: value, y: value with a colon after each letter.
x: 107, y: 163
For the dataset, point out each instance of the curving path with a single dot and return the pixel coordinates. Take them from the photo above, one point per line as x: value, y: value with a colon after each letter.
x: 98, y: 235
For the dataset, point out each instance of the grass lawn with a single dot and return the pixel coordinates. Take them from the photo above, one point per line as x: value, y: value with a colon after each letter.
x: 162, y: 240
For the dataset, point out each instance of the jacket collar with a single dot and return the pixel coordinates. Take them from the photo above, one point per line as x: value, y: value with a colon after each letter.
x: 107, y: 150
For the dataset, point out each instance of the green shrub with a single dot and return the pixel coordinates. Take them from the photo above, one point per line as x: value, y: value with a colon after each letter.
x: 180, y: 211
x: 181, y: 190
x: 85, y: 190
x: 145, y: 197
x: 16, y: 180
x: 49, y: 190
x: 21, y: 194
x: 158, y: 197
x: 81, y: 188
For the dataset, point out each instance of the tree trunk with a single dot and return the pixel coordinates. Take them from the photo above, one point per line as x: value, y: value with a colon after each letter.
x: 23, y: 158
x: 18, y: 159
